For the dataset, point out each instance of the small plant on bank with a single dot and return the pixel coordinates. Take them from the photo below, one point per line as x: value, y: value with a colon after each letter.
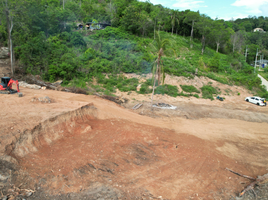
x: 167, y: 89
x: 189, y: 88
x: 145, y: 87
x: 208, y: 91
x: 120, y: 82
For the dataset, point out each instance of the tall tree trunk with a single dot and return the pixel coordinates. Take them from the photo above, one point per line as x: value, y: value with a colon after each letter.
x: 192, y: 35
x: 9, y: 30
x: 154, y: 32
x: 218, y: 44
x: 154, y: 28
x: 203, y: 44
x: 154, y: 82
x: 159, y: 71
x: 8, y: 27
x: 172, y: 29
x: 234, y: 44
x: 63, y: 3
x: 11, y: 56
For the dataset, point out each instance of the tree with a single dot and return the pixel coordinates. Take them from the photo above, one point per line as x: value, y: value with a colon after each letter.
x: 190, y: 18
x: 238, y: 40
x: 219, y: 33
x: 204, y: 27
x: 174, y: 19
x: 9, y: 12
x: 145, y: 22
x: 136, y: 20
x: 160, y: 47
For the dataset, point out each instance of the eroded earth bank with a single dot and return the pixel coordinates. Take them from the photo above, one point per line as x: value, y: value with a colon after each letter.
x: 85, y: 147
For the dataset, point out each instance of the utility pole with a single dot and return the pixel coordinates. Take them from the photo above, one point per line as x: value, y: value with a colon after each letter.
x: 262, y: 63
x: 256, y: 61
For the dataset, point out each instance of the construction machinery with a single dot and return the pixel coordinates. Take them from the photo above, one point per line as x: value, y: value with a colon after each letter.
x: 6, y: 86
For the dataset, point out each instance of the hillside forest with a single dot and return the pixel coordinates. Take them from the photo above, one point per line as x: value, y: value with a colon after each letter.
x: 43, y: 39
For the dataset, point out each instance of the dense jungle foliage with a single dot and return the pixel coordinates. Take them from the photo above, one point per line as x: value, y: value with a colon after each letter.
x: 44, y: 38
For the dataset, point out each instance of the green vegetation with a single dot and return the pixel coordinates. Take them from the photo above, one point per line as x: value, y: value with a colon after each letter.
x: 145, y: 87
x: 208, y: 91
x: 167, y: 89
x: 189, y: 88
x: 45, y: 40
x: 120, y: 82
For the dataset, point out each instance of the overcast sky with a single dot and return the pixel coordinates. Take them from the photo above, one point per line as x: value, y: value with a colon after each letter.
x: 224, y: 9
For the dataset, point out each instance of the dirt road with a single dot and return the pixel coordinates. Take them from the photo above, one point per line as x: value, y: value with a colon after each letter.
x: 84, y: 146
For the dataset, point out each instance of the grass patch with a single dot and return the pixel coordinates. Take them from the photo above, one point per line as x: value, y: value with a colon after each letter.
x: 167, y: 89
x: 145, y: 87
x: 208, y: 91
x: 120, y: 82
x: 189, y: 88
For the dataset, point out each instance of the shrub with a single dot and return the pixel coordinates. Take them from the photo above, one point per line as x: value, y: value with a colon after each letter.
x: 145, y: 89
x: 214, y: 63
x: 215, y: 77
x: 208, y: 91
x: 189, y: 88
x: 167, y: 89
x: 120, y: 82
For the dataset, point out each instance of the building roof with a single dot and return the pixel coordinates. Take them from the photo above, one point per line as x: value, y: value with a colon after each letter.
x: 258, y: 30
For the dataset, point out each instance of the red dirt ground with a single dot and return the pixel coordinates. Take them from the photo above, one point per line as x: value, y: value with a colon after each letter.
x: 167, y: 156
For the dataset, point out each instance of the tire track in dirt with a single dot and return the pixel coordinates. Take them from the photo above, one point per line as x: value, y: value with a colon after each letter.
x: 123, y: 153
x: 133, y: 157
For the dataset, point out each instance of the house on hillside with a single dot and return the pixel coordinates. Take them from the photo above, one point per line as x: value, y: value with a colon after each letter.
x: 80, y: 26
x: 96, y: 26
x: 259, y: 30
x: 262, y: 63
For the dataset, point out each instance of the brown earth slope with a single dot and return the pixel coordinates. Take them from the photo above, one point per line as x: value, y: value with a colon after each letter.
x: 85, y: 147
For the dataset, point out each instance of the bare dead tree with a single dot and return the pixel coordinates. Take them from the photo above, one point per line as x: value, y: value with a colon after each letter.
x: 238, y: 40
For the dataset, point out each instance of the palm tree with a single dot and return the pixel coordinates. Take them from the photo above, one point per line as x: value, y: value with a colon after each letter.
x: 160, y: 48
x: 174, y: 19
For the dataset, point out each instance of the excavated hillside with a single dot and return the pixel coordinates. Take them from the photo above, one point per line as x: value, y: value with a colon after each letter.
x: 85, y: 147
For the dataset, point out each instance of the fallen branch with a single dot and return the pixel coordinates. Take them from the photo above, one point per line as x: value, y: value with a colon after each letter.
x: 245, y: 176
x: 251, y: 186
x: 137, y: 106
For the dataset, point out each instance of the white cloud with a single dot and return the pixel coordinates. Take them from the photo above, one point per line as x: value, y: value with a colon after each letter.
x: 189, y: 4
x: 235, y: 16
x: 254, y: 7
x: 155, y: 2
x: 264, y: 9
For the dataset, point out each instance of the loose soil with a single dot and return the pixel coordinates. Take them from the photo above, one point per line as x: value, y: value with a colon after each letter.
x: 86, y: 147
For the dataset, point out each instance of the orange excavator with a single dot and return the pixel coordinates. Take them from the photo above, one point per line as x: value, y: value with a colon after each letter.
x: 6, y: 86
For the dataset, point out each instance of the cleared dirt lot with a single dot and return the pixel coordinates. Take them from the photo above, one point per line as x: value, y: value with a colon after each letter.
x: 82, y: 146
